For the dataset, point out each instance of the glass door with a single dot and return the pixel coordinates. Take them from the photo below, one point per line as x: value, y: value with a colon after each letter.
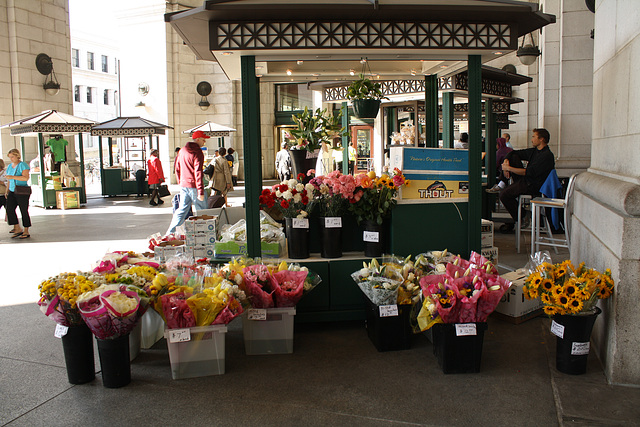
x: 362, y: 140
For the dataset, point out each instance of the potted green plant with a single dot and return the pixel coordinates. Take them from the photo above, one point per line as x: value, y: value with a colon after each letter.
x: 365, y: 97
x: 312, y: 129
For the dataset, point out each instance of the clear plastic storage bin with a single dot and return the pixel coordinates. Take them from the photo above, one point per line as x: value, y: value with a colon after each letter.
x: 202, y: 355
x: 271, y: 336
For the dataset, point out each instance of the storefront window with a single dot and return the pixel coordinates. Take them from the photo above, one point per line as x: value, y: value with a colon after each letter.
x: 292, y: 97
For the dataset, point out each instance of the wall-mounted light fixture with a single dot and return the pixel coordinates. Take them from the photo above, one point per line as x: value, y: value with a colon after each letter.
x: 203, y: 89
x: 45, y: 67
x: 528, y: 53
x: 140, y: 104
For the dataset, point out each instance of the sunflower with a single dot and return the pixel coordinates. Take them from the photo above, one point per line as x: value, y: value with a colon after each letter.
x: 560, y: 272
x: 562, y: 300
x: 533, y: 293
x: 583, y: 294
x: 570, y: 289
x: 536, y: 279
x: 575, y: 305
x: 556, y: 291
x: 551, y: 310
x: 546, y: 299
x: 546, y: 285
x: 450, y: 292
x: 604, y: 292
x: 567, y: 265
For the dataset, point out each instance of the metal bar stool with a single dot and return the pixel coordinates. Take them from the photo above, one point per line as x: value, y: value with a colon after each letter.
x: 537, y: 205
x: 524, y: 201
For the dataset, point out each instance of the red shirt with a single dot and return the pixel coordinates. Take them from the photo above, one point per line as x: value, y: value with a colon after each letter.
x: 189, y: 165
x: 154, y: 167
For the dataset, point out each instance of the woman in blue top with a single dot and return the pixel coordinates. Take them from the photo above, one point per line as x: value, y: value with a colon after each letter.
x: 17, y: 175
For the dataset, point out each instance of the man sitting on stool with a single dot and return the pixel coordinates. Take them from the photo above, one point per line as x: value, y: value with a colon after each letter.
x: 540, y: 163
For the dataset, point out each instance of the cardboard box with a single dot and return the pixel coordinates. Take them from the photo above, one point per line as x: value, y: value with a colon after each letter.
x: 201, y: 224
x: 67, y: 199
x: 197, y: 238
x: 513, y: 305
x: 231, y: 249
x: 273, y: 335
x: 203, y: 354
x: 486, y: 234
x: 202, y: 251
x: 163, y: 253
x: 491, y: 254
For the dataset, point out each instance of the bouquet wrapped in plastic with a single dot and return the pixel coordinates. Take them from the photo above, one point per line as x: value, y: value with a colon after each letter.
x: 260, y: 285
x: 59, y: 296
x: 379, y: 283
x: 110, y: 311
x: 565, y: 289
x: 467, y: 291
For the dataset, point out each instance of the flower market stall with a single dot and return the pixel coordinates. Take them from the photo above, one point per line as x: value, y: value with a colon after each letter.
x: 65, y: 180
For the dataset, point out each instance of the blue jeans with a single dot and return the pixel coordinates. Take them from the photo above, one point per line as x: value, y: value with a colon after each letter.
x: 188, y: 197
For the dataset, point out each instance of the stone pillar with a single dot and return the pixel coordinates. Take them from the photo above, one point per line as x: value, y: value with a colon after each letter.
x: 605, y: 226
x: 565, y: 85
x: 27, y: 28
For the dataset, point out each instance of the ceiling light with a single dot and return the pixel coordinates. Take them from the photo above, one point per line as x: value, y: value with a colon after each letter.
x: 413, y: 72
x: 299, y: 62
x: 258, y: 67
x: 227, y: 53
x: 444, y: 66
x: 497, y: 52
x: 352, y: 72
x: 289, y: 72
x: 315, y: 74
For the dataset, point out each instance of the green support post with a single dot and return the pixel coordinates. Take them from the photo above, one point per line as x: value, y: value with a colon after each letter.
x: 43, y: 184
x: 431, y: 110
x: 475, y: 151
x: 110, y: 140
x: 22, y: 147
x: 252, y: 152
x: 101, y: 157
x: 491, y: 131
x: 345, y: 138
x: 447, y: 120
x: 83, y: 192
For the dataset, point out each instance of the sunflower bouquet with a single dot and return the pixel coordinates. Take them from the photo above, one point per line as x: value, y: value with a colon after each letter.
x: 565, y: 289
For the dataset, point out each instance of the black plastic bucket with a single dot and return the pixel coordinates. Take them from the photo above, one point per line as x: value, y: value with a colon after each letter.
x: 77, y: 345
x: 114, y: 361
x: 572, y: 350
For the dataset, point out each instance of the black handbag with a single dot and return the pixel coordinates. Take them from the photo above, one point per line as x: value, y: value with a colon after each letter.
x: 22, y: 190
x: 163, y: 191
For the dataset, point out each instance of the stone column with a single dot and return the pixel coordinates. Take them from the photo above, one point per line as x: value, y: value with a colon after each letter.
x: 605, y: 226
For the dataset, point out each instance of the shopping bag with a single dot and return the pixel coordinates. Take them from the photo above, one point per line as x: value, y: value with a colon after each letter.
x: 163, y: 191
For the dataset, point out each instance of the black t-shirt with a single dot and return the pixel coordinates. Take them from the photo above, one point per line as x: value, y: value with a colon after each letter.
x: 541, y: 163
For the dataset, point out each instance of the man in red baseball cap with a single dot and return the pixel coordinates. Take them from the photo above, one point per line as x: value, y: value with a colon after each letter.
x: 189, y: 164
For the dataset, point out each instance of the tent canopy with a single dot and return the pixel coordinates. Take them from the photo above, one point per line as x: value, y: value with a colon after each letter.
x: 129, y: 126
x: 49, y: 121
x: 211, y: 129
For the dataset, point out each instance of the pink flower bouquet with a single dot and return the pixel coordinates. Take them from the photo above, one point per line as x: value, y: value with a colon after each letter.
x: 289, y: 287
x: 260, y: 285
x: 467, y: 292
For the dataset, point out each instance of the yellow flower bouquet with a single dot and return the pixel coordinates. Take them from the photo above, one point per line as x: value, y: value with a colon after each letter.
x: 564, y: 289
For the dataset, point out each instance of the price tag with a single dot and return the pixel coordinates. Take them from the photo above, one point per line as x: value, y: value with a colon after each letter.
x: 60, y: 331
x: 179, y: 335
x: 300, y: 223
x: 371, y: 236
x: 557, y: 329
x: 579, y: 348
x: 388, y: 310
x: 257, y: 314
x: 466, y: 329
x: 333, y: 222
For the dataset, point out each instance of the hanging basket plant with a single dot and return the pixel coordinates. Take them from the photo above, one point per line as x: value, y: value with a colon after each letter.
x: 365, y: 97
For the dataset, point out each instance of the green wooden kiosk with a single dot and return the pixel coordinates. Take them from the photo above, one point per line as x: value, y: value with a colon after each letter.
x: 52, y: 122
x: 116, y: 179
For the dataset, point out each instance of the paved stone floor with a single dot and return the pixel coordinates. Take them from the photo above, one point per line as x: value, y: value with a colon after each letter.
x: 335, y: 376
